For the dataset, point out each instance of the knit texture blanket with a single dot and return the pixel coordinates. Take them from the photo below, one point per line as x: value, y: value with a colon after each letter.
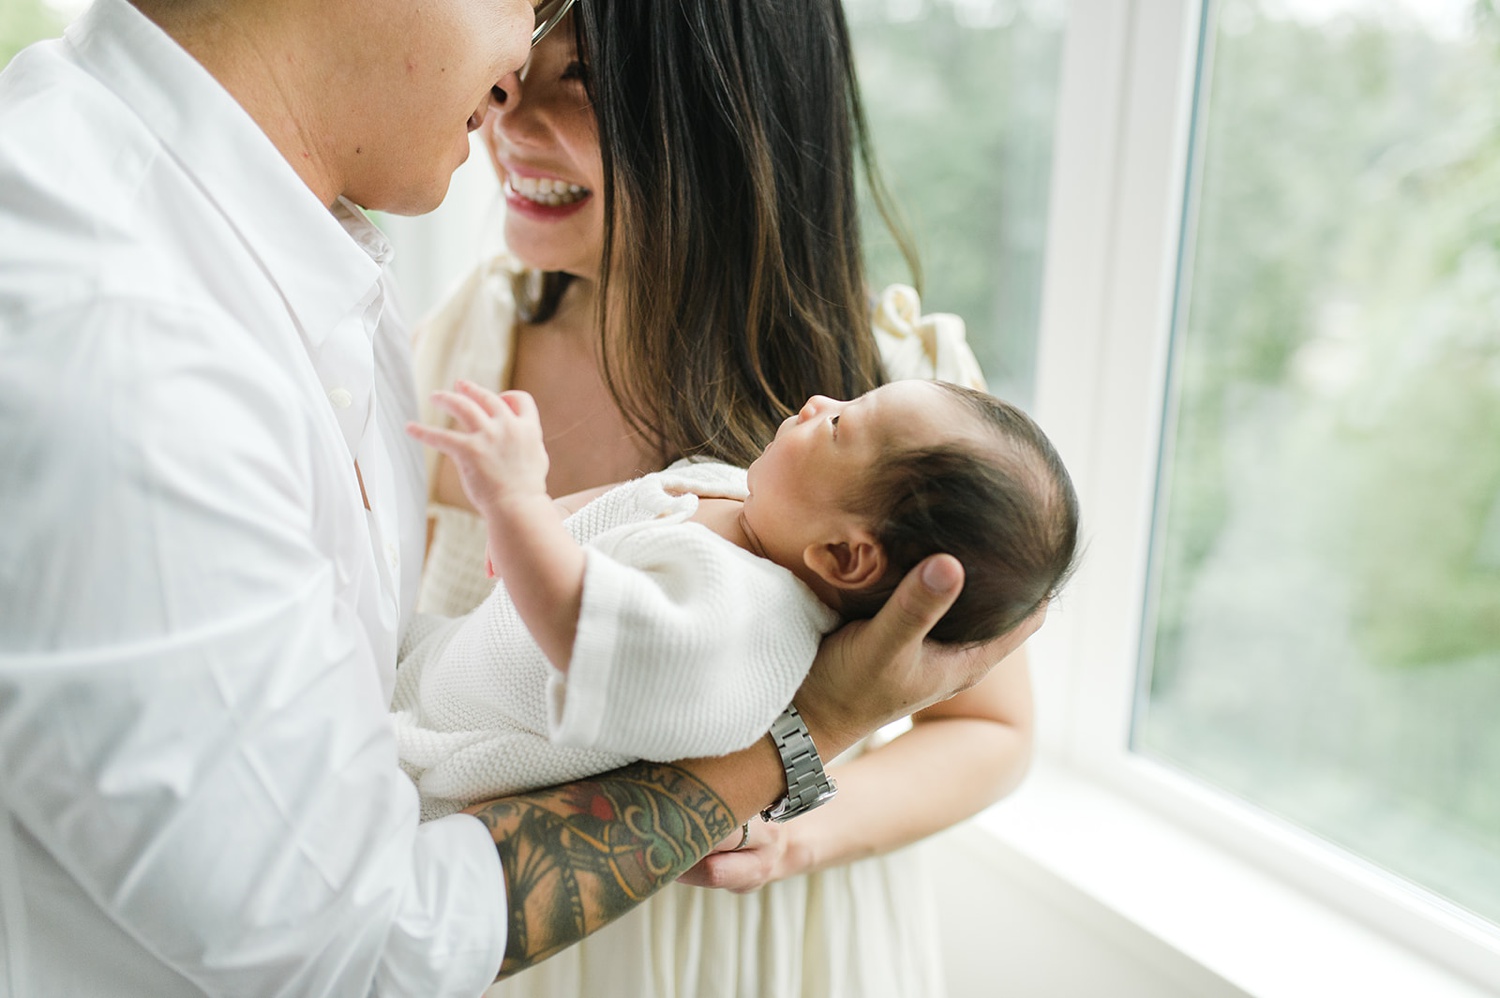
x: 687, y: 646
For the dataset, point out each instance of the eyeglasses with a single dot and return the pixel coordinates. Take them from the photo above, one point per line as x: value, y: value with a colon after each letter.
x: 548, y: 13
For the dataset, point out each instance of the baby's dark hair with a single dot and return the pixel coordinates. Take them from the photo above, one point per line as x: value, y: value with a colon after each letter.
x: 1008, y: 513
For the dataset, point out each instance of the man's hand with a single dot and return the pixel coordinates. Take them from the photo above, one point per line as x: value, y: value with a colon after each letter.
x: 871, y: 672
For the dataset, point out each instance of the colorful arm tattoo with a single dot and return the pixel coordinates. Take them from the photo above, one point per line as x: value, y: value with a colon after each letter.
x: 580, y: 855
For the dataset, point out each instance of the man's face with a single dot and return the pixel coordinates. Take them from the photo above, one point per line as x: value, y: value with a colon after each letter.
x: 418, y: 82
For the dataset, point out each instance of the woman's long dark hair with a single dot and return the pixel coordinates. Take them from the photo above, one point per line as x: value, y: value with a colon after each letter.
x: 731, y: 133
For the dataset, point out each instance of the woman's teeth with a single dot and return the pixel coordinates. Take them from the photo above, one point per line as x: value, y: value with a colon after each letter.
x: 544, y: 190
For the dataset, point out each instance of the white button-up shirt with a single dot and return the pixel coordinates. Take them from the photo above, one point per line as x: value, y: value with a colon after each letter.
x: 198, y: 614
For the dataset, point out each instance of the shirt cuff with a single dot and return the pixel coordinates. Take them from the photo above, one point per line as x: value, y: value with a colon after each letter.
x: 449, y: 939
x: 578, y: 703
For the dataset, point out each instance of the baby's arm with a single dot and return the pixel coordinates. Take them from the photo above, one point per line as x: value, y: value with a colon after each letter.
x: 496, y: 444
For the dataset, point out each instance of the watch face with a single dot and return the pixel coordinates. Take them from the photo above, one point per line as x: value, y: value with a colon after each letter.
x: 807, y: 783
x: 785, y: 810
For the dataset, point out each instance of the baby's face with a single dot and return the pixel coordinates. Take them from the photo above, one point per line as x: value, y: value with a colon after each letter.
x: 800, y: 484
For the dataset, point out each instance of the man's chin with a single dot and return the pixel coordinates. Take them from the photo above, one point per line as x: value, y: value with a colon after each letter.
x: 406, y: 199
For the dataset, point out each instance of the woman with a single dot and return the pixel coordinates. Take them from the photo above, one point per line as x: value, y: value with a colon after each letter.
x: 680, y: 185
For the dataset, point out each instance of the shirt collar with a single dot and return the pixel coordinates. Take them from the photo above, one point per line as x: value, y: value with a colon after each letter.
x: 321, y: 272
x: 364, y: 232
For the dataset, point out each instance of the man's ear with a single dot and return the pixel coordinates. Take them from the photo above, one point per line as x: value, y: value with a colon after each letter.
x: 855, y: 562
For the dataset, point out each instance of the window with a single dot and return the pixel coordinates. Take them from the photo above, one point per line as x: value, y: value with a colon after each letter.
x: 1323, y: 634
x: 961, y: 96
x: 1269, y: 340
x: 1247, y: 195
x: 27, y: 21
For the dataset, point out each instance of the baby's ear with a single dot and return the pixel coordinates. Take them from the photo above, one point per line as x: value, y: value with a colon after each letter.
x: 855, y: 562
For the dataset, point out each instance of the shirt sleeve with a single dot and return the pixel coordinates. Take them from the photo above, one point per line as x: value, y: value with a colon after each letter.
x: 687, y: 646
x: 191, y: 723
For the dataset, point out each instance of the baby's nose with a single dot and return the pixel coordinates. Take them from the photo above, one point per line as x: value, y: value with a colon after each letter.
x: 814, y: 405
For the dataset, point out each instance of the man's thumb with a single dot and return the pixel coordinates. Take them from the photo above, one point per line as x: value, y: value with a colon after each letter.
x: 921, y: 599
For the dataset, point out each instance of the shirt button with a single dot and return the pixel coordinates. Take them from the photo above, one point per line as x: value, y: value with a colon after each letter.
x: 341, y: 398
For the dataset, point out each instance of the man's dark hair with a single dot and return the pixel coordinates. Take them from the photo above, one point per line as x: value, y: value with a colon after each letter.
x: 1007, y: 512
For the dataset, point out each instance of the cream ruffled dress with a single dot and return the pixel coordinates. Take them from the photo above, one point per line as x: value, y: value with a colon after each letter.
x: 867, y: 929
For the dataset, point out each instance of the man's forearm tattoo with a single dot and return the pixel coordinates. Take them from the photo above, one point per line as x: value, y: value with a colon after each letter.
x: 580, y: 855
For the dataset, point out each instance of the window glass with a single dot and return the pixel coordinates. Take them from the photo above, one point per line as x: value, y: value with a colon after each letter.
x: 1323, y: 637
x: 961, y: 96
x: 25, y: 21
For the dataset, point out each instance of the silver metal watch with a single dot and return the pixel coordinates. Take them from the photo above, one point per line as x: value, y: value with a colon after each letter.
x: 807, y: 785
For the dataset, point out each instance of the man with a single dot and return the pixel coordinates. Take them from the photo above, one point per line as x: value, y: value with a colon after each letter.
x: 212, y: 526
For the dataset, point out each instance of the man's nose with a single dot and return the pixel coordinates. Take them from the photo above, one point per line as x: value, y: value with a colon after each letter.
x: 507, y: 93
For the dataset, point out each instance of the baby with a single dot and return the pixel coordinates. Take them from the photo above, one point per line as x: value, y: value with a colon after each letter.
x: 675, y: 615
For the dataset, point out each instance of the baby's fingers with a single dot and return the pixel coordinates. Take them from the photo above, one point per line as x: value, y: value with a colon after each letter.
x: 450, y: 442
x: 468, y: 413
x: 487, y: 400
x: 521, y: 403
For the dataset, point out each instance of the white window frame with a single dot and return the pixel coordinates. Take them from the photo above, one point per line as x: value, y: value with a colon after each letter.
x: 1116, y: 227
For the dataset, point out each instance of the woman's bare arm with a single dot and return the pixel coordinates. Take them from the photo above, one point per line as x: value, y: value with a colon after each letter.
x: 575, y: 501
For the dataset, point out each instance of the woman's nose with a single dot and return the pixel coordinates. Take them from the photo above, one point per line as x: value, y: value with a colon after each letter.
x: 514, y: 121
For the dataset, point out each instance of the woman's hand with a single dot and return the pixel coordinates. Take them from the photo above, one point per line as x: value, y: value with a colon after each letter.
x: 871, y: 672
x: 979, y: 740
x: 771, y: 852
x: 495, y: 443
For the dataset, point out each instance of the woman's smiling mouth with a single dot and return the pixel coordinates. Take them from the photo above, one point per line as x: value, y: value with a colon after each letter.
x: 546, y: 190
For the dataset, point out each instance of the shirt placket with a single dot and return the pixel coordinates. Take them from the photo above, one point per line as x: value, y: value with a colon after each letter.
x: 345, y: 367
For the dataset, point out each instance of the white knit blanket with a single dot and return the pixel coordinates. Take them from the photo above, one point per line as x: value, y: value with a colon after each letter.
x: 687, y: 646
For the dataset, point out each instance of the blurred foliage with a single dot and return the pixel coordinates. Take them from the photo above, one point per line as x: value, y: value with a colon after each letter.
x: 23, y: 22
x: 1348, y: 252
x: 961, y: 99
x: 1327, y: 613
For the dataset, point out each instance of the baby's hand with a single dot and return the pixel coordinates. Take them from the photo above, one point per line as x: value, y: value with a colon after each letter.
x: 496, y: 444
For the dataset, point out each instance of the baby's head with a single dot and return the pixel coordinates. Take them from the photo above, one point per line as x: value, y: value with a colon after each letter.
x: 851, y: 495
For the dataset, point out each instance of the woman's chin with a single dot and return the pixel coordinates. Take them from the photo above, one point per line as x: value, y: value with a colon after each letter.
x: 549, y: 251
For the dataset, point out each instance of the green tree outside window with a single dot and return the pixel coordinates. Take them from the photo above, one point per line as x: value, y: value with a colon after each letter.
x: 25, y: 21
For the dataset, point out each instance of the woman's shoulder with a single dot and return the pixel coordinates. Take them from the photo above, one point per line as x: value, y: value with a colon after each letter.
x: 486, y: 288
x: 470, y: 331
x: 912, y: 344
x: 468, y: 336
